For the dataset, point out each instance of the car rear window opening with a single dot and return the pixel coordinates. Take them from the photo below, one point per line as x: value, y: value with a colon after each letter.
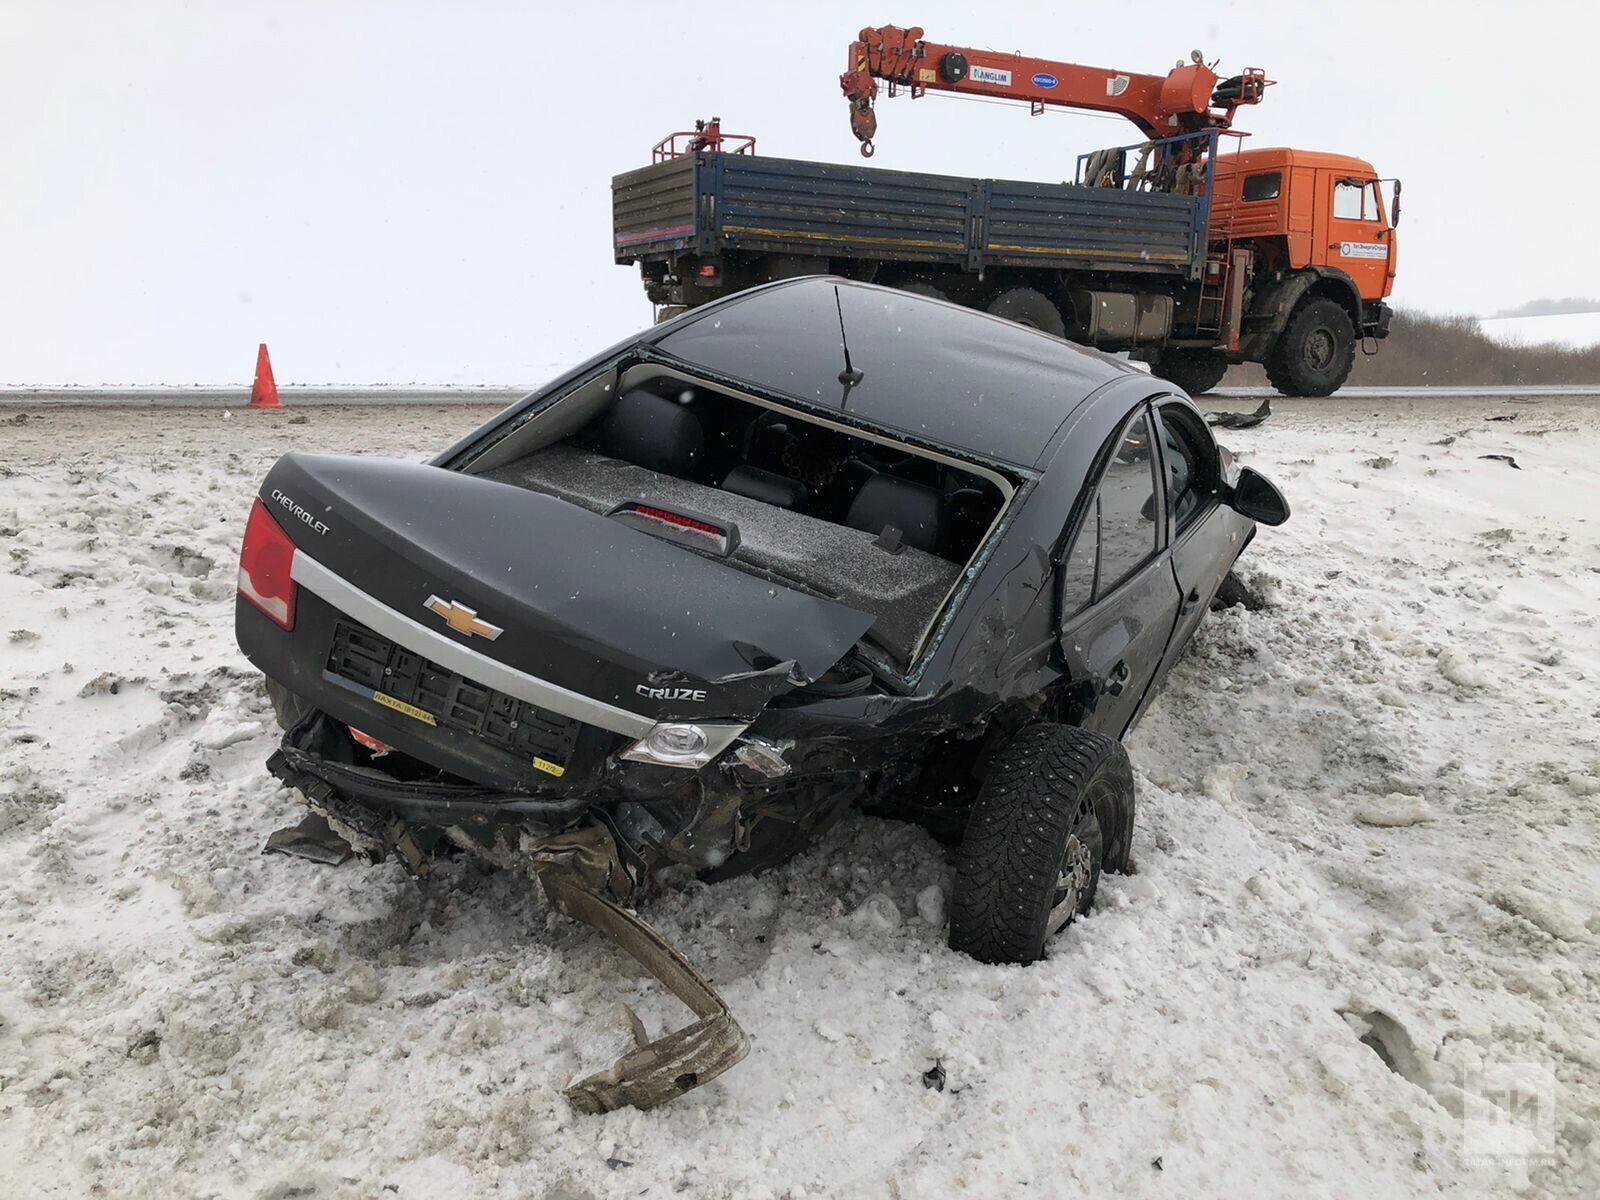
x: 881, y: 527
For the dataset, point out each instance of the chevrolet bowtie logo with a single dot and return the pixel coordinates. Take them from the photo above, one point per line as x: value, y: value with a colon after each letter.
x: 462, y: 619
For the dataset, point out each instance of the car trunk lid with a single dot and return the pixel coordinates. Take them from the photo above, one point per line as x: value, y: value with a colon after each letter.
x: 536, y: 598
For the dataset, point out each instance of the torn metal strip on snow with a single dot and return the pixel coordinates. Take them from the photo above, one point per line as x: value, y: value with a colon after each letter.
x: 654, y: 1072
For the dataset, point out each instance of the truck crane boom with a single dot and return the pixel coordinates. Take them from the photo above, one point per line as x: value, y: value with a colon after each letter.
x: 1189, y: 98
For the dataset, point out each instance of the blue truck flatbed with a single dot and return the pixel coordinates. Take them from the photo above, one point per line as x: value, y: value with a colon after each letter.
x: 747, y: 206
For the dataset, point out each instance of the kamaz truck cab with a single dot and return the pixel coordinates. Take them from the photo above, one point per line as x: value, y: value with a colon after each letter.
x: 1318, y: 231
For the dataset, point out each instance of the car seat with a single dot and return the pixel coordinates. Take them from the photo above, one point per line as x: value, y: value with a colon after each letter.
x: 656, y: 433
x: 911, y: 508
x: 767, y: 486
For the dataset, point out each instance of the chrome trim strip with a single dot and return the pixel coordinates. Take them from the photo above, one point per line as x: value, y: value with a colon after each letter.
x: 351, y: 600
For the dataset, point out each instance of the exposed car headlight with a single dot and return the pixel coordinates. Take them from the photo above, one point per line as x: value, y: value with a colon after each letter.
x: 675, y: 741
x: 682, y: 744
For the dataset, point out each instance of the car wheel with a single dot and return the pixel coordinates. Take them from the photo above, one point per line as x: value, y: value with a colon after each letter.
x: 1028, y: 307
x: 1055, y: 810
x: 286, y: 706
x: 1195, y: 371
x: 1315, y: 352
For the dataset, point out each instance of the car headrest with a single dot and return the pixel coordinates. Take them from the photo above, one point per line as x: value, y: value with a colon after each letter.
x: 767, y: 486
x: 653, y: 432
x: 909, y: 507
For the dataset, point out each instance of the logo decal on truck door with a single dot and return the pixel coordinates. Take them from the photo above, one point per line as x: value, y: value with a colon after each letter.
x: 461, y: 618
x: 1363, y: 250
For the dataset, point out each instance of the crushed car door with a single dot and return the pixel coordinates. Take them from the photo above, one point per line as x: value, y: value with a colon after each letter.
x: 1205, y: 533
x: 1117, y: 595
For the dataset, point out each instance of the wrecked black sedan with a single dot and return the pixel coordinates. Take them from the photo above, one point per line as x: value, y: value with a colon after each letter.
x: 814, y: 545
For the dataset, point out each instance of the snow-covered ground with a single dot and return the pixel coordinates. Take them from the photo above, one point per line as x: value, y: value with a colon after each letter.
x: 1577, y: 330
x: 1362, y: 929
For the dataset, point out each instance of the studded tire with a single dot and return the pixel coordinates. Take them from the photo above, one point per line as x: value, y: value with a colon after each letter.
x: 1055, y: 810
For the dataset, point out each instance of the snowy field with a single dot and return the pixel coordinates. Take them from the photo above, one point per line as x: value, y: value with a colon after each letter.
x: 1576, y: 330
x: 1360, y: 956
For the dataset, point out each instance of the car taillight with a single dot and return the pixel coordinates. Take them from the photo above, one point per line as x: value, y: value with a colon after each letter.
x: 265, y: 561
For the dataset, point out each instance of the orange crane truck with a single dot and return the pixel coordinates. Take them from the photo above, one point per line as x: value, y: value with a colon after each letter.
x: 1183, y: 249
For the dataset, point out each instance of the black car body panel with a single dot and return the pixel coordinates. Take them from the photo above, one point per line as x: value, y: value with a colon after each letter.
x: 815, y: 545
x: 619, y: 631
x: 567, y: 585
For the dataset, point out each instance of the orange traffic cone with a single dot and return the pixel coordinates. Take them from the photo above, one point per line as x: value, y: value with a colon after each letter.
x: 264, y: 392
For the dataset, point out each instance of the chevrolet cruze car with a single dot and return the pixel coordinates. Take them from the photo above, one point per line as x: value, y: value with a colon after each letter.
x: 816, y: 545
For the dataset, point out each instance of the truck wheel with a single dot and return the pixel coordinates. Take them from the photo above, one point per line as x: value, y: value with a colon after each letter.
x: 1195, y: 371
x: 1055, y: 810
x: 921, y: 287
x: 1315, y: 352
x: 1028, y: 307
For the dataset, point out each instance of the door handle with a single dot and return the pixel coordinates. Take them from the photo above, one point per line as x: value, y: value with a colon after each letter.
x: 1190, y: 602
x: 1116, y: 681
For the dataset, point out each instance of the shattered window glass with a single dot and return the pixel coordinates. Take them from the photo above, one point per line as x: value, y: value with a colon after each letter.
x: 1127, y: 506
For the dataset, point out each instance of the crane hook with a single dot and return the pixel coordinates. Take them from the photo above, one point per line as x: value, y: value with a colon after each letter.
x: 867, y: 150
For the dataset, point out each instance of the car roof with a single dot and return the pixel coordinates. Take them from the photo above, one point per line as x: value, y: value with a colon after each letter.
x: 948, y: 375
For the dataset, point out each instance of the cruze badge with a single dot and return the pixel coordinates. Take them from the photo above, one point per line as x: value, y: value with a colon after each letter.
x: 694, y: 695
x: 461, y: 618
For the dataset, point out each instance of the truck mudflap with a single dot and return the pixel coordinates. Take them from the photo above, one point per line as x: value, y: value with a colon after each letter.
x: 654, y: 1072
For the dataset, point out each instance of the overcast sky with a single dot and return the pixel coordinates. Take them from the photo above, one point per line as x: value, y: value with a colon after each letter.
x: 419, y: 192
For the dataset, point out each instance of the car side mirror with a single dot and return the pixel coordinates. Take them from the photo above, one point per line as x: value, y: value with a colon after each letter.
x: 1257, y: 497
